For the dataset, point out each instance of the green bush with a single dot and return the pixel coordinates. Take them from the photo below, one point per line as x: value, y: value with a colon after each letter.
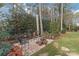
x: 54, y: 28
x: 4, y: 49
x: 74, y: 28
x: 63, y: 31
x: 3, y: 34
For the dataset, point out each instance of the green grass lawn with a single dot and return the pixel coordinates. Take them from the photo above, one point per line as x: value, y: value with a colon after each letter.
x: 71, y: 41
x: 50, y: 49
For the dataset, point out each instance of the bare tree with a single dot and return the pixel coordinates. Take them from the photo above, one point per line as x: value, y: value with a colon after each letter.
x: 61, y: 16
x: 41, y: 25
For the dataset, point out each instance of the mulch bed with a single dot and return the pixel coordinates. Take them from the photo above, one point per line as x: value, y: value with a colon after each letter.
x: 15, y: 51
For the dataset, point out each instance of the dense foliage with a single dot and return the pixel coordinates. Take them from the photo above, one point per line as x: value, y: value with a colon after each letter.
x: 23, y: 24
x: 4, y: 48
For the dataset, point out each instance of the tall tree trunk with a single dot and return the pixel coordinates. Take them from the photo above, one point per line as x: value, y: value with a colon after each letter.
x: 37, y: 24
x: 52, y: 15
x: 61, y: 16
x: 41, y: 25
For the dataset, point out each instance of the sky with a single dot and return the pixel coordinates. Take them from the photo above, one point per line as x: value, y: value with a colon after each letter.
x: 4, y: 9
x: 74, y: 7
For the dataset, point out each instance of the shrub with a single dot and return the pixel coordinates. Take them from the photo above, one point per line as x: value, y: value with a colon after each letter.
x: 75, y: 28
x: 54, y: 28
x: 4, y: 49
x: 3, y: 34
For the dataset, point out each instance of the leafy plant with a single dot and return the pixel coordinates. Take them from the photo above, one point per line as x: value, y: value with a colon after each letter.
x: 4, y: 49
x: 54, y: 29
